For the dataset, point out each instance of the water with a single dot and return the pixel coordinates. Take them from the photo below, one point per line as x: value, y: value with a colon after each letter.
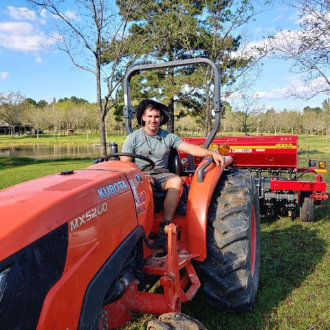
x: 54, y: 151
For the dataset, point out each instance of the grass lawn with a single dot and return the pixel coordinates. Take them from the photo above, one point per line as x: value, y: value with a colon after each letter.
x: 295, y: 257
x: 18, y: 169
x: 46, y: 139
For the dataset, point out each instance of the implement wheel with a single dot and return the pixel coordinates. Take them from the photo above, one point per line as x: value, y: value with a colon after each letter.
x: 231, y: 269
x: 306, y: 207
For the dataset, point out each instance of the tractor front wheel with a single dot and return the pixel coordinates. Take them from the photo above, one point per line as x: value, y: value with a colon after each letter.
x: 231, y: 269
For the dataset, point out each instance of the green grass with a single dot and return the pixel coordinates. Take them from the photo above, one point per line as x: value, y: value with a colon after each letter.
x: 14, y: 170
x: 46, y: 139
x: 294, y: 281
x: 295, y: 269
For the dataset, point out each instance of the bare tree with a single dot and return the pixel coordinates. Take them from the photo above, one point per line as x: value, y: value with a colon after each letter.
x: 308, y: 47
x: 244, y: 110
x: 326, y: 117
x: 12, y: 109
x: 96, y: 30
x: 290, y: 120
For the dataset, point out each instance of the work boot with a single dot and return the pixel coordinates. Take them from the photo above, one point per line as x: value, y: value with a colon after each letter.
x: 162, y: 225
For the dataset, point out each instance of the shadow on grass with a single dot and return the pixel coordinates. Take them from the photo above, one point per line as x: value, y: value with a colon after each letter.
x: 11, y: 162
x: 288, y: 256
x: 310, y: 152
x: 323, y: 211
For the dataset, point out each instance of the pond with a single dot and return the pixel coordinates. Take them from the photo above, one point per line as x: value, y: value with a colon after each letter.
x: 54, y: 151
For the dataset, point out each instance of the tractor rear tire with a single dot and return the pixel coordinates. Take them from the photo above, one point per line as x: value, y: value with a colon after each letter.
x: 231, y: 269
x: 306, y: 208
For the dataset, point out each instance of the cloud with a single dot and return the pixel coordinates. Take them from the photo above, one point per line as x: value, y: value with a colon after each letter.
x: 38, y: 59
x: 256, y: 49
x: 69, y: 14
x: 274, y: 94
x: 235, y: 95
x: 295, y: 87
x: 43, y: 13
x: 23, y: 37
x: 72, y: 15
x: 21, y: 13
x: 286, y: 39
x: 315, y: 17
x: 307, y: 90
x: 4, y: 75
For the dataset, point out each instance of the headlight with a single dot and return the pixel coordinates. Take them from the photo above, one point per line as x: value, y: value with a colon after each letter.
x: 312, y: 163
x: 322, y: 165
x: 224, y: 149
x: 3, y: 282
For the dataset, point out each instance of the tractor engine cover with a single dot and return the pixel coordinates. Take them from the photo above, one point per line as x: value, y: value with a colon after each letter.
x: 57, y: 232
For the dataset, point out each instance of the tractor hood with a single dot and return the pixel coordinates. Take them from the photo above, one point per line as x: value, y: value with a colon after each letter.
x: 34, y: 208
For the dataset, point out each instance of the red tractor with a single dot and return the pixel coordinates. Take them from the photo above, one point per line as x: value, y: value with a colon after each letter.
x: 78, y: 248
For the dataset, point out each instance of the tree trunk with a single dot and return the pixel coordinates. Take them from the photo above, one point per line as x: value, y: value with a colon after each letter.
x: 103, y: 140
x: 170, y: 123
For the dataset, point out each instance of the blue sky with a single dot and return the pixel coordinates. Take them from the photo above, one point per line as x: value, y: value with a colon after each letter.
x: 29, y: 64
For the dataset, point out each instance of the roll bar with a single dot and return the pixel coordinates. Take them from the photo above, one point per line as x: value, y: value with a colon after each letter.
x: 129, y: 111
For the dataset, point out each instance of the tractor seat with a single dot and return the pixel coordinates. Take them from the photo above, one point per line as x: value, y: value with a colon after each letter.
x: 174, y: 166
x: 174, y: 162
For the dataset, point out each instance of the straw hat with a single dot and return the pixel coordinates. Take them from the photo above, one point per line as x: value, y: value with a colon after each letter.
x: 153, y: 105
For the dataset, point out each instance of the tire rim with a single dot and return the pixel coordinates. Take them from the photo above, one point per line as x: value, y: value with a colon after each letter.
x: 253, y: 241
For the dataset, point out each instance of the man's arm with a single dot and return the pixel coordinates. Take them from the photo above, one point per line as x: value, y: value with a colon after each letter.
x: 128, y: 147
x: 195, y: 150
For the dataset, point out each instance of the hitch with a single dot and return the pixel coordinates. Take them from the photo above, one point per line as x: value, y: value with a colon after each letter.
x: 176, y: 290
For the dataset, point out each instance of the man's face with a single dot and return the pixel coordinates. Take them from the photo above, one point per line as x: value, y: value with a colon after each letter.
x: 152, y: 119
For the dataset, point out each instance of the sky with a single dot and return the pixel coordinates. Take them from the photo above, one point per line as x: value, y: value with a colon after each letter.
x: 31, y: 64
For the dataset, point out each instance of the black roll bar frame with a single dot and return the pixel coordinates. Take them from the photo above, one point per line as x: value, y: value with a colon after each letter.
x: 129, y: 111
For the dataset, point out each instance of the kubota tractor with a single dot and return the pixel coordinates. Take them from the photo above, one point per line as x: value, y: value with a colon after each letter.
x: 77, y: 247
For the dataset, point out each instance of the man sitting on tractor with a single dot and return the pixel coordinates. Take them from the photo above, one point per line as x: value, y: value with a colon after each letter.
x: 155, y: 143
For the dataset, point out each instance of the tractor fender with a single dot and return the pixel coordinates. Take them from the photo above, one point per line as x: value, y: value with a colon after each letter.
x: 198, y: 203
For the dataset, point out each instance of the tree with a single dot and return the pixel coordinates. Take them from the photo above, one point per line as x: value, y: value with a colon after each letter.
x: 35, y: 117
x: 184, y: 29
x: 84, y: 41
x: 30, y: 101
x: 290, y: 121
x: 222, y: 22
x: 274, y: 120
x: 73, y: 99
x: 172, y: 28
x: 245, y: 109
x: 309, y: 122
x: 12, y: 107
x: 309, y: 46
x: 41, y: 104
x: 325, y: 117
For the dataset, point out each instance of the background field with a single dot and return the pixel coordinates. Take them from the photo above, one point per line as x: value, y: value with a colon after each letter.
x: 295, y: 269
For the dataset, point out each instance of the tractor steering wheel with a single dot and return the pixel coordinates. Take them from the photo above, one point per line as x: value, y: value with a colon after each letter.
x: 147, y: 167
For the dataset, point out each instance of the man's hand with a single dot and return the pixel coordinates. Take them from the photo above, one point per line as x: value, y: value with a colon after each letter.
x: 195, y: 150
x: 218, y: 159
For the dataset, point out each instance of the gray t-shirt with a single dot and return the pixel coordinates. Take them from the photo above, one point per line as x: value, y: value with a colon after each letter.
x: 156, y: 147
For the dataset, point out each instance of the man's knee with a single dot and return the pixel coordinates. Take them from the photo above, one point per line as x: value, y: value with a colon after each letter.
x: 173, y: 182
